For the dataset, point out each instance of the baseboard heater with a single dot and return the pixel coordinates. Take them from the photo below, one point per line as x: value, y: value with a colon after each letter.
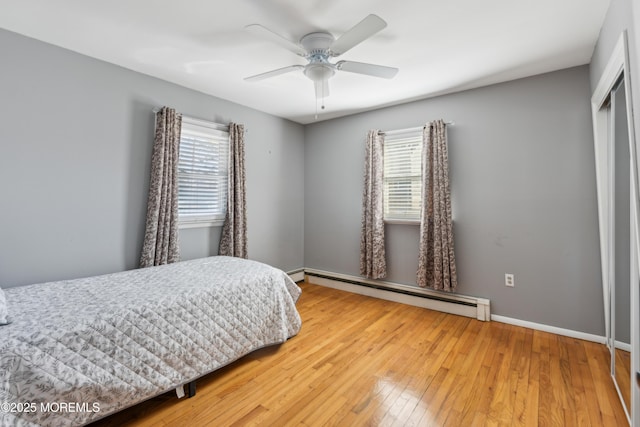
x: 478, y: 308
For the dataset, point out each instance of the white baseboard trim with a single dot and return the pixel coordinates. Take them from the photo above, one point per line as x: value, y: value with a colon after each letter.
x: 462, y: 305
x: 623, y: 346
x: 296, y: 275
x: 551, y: 329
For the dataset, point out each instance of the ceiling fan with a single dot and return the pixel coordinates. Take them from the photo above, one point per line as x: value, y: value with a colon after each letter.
x: 319, y: 47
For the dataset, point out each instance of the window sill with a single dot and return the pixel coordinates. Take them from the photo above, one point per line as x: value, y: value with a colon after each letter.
x: 200, y: 224
x: 402, y: 221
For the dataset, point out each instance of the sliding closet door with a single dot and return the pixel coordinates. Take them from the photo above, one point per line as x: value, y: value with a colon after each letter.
x: 621, y: 250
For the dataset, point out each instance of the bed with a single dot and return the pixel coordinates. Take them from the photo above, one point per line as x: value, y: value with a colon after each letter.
x: 79, y: 350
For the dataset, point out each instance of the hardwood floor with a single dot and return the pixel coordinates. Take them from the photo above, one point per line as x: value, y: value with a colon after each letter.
x: 364, y: 361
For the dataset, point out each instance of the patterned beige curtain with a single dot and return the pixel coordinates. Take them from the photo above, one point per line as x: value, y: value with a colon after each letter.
x: 161, y: 234
x: 373, y: 264
x: 233, y: 241
x: 436, y: 260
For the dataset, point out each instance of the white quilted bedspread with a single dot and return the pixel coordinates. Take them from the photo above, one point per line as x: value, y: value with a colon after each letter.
x: 78, y: 350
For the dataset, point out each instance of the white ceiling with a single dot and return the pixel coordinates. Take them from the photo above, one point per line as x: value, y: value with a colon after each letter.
x: 439, y: 46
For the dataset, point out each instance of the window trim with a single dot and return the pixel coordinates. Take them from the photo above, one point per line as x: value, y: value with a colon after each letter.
x: 199, y: 224
x: 402, y: 221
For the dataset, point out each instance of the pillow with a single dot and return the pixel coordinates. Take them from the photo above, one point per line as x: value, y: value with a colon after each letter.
x: 4, y: 315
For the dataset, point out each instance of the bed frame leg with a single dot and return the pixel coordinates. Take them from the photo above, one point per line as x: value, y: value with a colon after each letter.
x: 192, y: 389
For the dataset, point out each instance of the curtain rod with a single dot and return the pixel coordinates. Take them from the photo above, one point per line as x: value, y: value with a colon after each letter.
x: 414, y: 129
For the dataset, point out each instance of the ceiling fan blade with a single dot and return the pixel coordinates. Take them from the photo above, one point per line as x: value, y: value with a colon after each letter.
x: 362, y: 31
x: 322, y: 89
x: 368, y: 69
x: 274, y: 73
x: 262, y: 32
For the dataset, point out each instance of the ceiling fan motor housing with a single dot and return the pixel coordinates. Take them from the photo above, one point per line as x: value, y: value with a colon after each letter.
x: 320, y: 41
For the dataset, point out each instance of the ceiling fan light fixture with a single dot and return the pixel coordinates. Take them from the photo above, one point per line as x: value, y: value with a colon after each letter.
x: 319, y: 72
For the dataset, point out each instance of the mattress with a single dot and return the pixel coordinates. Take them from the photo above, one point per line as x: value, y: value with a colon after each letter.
x: 79, y: 350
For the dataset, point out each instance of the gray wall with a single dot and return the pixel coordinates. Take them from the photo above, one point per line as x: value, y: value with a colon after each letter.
x: 75, y: 147
x: 523, y: 191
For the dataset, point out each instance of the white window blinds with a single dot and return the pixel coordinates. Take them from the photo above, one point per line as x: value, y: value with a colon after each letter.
x: 202, y: 173
x: 402, y: 176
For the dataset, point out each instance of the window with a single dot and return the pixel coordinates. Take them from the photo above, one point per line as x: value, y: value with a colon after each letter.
x: 402, y: 176
x: 202, y: 173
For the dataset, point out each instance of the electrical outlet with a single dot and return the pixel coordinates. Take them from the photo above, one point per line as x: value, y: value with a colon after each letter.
x: 509, y: 280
